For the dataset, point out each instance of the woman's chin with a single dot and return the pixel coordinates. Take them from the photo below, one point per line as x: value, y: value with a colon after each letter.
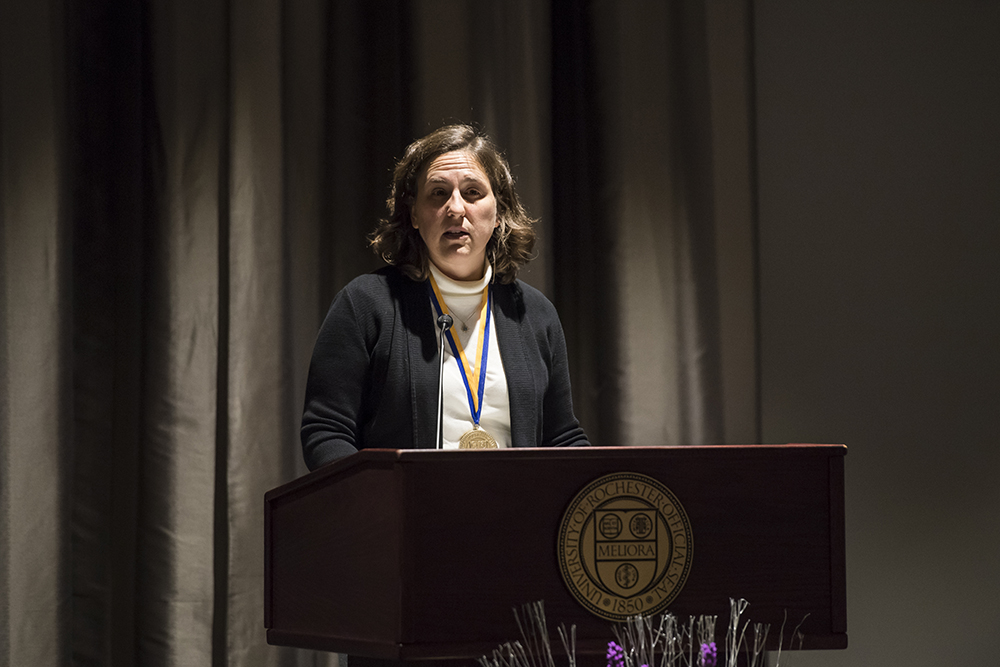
x: 461, y: 264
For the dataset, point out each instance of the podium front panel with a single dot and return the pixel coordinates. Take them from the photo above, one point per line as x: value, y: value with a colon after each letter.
x: 417, y: 554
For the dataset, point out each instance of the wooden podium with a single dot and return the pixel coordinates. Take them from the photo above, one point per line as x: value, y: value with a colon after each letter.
x: 422, y: 554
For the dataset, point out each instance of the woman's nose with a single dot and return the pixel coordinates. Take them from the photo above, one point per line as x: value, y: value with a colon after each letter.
x: 456, y: 205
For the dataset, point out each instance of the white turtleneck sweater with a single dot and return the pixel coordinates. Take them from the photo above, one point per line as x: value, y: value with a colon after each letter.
x: 464, y: 300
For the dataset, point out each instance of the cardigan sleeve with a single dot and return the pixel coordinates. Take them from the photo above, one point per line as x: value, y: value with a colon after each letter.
x: 547, y: 362
x: 560, y: 427
x: 338, y: 376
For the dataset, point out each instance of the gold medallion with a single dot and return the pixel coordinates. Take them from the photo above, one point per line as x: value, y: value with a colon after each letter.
x: 477, y: 438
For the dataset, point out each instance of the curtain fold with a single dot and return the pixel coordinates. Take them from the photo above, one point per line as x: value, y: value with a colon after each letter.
x: 35, y: 343
x: 183, y: 347
x: 107, y: 287
x: 184, y: 186
x: 255, y: 280
x: 636, y: 209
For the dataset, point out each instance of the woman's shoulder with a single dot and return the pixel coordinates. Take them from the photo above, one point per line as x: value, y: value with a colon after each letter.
x: 373, y: 294
x: 381, y: 283
x: 530, y: 295
x: 529, y: 301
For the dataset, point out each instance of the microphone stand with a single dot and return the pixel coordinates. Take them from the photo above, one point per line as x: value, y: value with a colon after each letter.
x: 444, y: 322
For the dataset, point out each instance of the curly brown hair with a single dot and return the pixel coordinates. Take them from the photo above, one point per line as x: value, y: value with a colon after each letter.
x: 398, y: 243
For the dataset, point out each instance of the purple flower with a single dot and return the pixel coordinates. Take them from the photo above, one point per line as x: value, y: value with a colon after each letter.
x: 616, y: 655
x: 708, y: 655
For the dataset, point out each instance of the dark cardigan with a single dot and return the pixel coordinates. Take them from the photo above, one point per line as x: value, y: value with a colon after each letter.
x: 374, y: 371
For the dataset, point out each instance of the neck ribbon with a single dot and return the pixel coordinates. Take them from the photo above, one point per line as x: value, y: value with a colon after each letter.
x: 471, y: 377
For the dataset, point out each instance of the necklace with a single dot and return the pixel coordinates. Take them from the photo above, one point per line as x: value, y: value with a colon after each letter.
x: 465, y: 321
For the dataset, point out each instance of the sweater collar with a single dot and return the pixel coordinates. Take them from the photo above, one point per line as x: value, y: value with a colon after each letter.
x: 461, y: 288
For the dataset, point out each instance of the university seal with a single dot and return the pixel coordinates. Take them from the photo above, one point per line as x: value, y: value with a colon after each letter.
x: 624, y: 546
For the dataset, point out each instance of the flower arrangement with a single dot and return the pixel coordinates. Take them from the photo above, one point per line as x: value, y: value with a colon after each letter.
x: 643, y: 641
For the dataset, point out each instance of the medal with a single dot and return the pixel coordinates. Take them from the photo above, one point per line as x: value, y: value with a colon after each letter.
x: 477, y: 438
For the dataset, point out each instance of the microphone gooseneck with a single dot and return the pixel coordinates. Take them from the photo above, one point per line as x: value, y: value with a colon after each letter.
x: 444, y: 323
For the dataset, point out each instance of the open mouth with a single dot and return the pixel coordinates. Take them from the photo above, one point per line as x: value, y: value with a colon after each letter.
x: 455, y: 234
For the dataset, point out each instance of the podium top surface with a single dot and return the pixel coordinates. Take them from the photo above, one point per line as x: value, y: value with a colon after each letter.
x: 389, y: 457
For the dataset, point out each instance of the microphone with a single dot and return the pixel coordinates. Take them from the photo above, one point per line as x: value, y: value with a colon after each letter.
x: 444, y: 323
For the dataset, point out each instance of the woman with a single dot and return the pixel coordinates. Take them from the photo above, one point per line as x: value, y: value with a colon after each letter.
x: 454, y: 240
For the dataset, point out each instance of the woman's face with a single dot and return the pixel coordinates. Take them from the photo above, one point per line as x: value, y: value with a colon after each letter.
x: 455, y: 212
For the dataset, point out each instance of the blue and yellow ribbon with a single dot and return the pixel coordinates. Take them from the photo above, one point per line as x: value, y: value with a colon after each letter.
x: 471, y: 377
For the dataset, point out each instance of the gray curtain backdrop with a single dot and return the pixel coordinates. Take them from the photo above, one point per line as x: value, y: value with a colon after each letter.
x: 184, y: 186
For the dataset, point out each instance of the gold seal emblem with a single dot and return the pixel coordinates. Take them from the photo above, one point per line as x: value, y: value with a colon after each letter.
x: 624, y: 546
